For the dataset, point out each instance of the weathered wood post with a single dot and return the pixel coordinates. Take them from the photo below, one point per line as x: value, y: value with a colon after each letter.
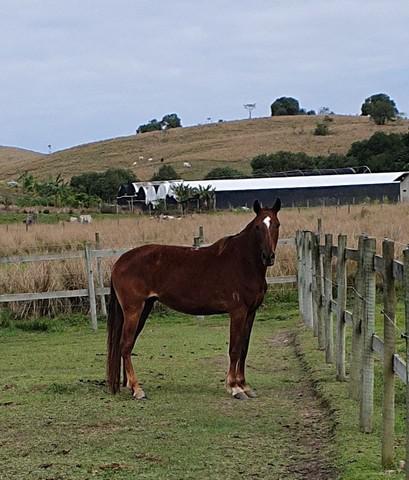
x: 389, y: 303
x: 406, y: 294
x: 317, y: 291
x: 300, y: 286
x: 197, y: 242
x: 368, y: 327
x: 308, y: 311
x: 91, y: 287
x: 100, y: 275
x: 328, y: 319
x: 357, y: 322
x: 341, y: 306
x: 201, y: 234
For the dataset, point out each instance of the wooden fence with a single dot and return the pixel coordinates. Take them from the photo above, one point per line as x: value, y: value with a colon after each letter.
x: 92, y: 256
x: 318, y: 281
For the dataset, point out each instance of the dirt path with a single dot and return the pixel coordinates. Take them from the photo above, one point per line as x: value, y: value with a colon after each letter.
x: 311, y: 452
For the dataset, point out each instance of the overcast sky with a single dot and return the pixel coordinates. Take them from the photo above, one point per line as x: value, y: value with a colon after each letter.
x: 76, y: 71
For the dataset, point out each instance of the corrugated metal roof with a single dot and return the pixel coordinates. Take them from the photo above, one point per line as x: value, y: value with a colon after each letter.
x: 298, y: 182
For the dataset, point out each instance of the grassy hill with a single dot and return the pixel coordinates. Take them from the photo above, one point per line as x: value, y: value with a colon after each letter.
x: 205, y: 147
x: 16, y: 157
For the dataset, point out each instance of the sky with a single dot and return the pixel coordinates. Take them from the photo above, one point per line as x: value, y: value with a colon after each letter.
x: 77, y: 71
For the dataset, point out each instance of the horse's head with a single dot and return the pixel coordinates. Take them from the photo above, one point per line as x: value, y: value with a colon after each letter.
x: 267, y: 229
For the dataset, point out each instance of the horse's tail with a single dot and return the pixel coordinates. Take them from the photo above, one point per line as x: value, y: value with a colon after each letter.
x: 114, y: 324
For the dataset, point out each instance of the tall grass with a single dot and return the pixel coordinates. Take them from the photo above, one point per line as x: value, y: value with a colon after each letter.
x: 377, y: 220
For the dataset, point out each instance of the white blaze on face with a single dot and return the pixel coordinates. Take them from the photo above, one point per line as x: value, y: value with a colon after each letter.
x: 266, y: 222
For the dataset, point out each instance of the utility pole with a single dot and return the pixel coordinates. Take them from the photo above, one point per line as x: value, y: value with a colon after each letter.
x: 249, y: 107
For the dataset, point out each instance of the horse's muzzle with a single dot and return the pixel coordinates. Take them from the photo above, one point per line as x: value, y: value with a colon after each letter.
x: 268, y: 259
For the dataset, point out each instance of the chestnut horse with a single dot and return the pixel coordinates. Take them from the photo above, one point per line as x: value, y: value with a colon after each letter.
x: 225, y: 277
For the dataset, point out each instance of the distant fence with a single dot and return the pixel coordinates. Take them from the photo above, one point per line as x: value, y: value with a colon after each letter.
x: 316, y: 284
x: 92, y: 255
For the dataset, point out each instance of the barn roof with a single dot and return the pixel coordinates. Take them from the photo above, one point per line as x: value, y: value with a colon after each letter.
x: 298, y: 182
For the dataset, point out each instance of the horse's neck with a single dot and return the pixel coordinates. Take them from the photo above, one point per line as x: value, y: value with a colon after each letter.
x: 247, y: 253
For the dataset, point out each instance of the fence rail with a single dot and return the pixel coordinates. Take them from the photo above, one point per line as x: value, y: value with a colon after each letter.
x: 315, y: 278
x: 92, y: 256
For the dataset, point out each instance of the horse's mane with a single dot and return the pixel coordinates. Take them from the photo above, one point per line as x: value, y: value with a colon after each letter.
x: 225, y: 242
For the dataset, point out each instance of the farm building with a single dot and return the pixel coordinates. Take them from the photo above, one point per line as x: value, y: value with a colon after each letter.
x: 293, y: 191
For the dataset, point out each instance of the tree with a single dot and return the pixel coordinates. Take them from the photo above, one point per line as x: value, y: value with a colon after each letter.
x: 382, y: 152
x: 171, y: 120
x: 104, y: 185
x: 265, y: 165
x: 206, y: 196
x: 183, y: 194
x: 285, y: 106
x: 149, y: 127
x: 223, y: 172
x: 380, y: 108
x: 166, y: 172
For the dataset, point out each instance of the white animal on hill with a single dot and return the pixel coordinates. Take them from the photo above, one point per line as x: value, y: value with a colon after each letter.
x: 187, y: 164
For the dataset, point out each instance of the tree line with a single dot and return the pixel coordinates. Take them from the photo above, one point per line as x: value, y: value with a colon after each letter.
x: 380, y: 107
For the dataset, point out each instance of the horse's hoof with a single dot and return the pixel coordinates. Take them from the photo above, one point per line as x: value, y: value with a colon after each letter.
x: 240, y: 396
x: 250, y: 393
x: 140, y: 395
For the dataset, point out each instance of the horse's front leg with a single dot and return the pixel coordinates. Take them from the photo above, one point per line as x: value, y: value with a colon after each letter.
x: 237, y: 333
x: 240, y: 377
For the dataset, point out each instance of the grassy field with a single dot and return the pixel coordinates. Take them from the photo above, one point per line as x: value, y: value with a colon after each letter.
x: 58, y: 422
x: 205, y: 147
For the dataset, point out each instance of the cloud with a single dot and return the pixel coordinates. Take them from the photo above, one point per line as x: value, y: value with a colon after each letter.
x: 85, y: 70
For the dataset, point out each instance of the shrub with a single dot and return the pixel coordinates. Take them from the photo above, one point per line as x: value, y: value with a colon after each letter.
x: 223, y: 172
x: 166, y: 172
x: 321, y: 129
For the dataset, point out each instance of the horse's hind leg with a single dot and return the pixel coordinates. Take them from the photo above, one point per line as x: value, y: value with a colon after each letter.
x: 240, y: 376
x: 141, y: 323
x: 131, y: 328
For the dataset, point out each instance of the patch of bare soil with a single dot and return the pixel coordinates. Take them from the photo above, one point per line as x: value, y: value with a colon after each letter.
x: 312, y: 451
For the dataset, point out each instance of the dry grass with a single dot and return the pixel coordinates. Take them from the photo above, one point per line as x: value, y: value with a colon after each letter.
x: 205, y: 147
x: 376, y: 220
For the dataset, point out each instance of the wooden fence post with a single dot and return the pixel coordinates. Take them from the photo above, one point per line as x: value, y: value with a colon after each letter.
x: 357, y: 322
x: 100, y: 275
x: 341, y: 306
x: 91, y: 287
x: 308, y: 311
x: 197, y: 241
x: 389, y: 303
x: 406, y: 294
x: 317, y: 291
x: 328, y: 320
x: 300, y: 272
x: 368, y: 326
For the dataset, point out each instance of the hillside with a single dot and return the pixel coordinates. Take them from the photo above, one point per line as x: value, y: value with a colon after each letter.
x: 205, y: 147
x: 13, y: 157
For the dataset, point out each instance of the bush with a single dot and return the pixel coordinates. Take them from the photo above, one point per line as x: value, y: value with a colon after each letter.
x: 166, y: 172
x: 321, y: 129
x: 223, y: 172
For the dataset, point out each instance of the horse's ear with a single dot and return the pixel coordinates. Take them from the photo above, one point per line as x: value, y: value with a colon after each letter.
x: 257, y: 207
x: 277, y: 205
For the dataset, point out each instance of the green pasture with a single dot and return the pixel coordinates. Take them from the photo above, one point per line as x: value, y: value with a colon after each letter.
x: 57, y: 420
